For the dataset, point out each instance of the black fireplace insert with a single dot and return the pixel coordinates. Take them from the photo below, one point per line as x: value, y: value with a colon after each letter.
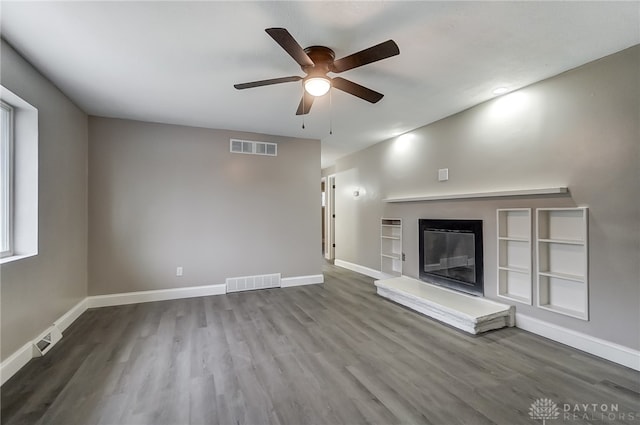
x: 451, y: 254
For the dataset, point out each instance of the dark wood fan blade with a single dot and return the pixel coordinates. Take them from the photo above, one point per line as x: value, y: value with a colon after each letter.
x: 356, y: 90
x: 290, y: 45
x: 373, y: 54
x: 305, y: 104
x: 266, y: 82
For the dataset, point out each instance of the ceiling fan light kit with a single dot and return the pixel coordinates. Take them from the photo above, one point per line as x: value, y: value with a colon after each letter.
x: 317, y: 61
x: 317, y: 86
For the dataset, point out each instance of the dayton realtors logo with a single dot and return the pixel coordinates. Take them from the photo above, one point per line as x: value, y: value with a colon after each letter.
x: 546, y: 409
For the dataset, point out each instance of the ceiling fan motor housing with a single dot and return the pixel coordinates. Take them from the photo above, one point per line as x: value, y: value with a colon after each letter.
x: 322, y: 58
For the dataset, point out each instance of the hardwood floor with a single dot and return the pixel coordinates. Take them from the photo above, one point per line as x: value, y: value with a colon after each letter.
x: 321, y: 354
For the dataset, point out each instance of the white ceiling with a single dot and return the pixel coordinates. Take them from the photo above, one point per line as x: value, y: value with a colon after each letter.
x: 176, y: 62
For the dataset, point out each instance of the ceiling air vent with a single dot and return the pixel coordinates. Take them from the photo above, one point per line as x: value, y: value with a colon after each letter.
x: 254, y: 148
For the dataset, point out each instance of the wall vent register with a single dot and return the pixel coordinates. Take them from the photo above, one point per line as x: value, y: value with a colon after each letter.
x: 253, y: 148
x: 249, y: 283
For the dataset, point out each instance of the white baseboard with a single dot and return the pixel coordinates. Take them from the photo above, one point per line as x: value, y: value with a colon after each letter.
x: 376, y: 274
x: 15, y: 362
x: 70, y: 316
x: 598, y: 347
x: 21, y: 357
x: 155, y: 295
x: 608, y: 350
x: 287, y: 282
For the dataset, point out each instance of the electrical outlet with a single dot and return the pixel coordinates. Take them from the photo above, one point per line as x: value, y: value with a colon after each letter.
x: 179, y: 271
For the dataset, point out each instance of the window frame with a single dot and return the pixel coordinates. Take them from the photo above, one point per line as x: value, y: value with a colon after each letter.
x: 7, y: 207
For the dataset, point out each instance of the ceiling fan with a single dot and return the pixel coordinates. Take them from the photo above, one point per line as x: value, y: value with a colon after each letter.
x: 317, y: 61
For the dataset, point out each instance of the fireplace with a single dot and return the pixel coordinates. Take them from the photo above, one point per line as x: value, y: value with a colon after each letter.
x: 450, y: 253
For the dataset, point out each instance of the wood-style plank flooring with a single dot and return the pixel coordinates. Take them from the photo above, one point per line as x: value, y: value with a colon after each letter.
x: 321, y: 354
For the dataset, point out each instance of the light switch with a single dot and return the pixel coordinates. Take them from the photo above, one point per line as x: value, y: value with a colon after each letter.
x: 179, y: 271
x: 443, y: 174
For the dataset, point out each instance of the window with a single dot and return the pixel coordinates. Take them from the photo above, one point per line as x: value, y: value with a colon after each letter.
x: 18, y: 178
x: 6, y: 180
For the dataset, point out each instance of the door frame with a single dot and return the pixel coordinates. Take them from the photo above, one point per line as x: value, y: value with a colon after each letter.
x: 330, y: 212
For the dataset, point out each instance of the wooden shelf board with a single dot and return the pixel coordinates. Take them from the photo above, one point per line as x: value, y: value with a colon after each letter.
x: 513, y: 239
x: 495, y: 194
x: 563, y: 276
x: 517, y: 298
x: 562, y: 241
x: 393, y: 257
x: 566, y: 311
x: 521, y: 270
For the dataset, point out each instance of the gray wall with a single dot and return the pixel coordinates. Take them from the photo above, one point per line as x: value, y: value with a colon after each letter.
x: 36, y: 291
x: 579, y: 129
x: 163, y: 196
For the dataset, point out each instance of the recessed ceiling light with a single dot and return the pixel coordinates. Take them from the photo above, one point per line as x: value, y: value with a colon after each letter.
x: 500, y: 90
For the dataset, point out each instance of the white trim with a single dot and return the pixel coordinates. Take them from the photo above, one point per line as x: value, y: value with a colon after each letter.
x: 16, y: 258
x: 325, y: 216
x: 21, y: 357
x: 70, y: 316
x: 598, y: 347
x: 15, y: 362
x: 155, y: 295
x: 287, y: 282
x: 25, y: 171
x: 376, y: 274
x: 611, y: 351
x: 8, y: 185
x: 330, y: 211
x: 501, y: 193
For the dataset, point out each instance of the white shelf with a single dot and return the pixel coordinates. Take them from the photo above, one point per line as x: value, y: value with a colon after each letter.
x: 494, y: 194
x: 564, y: 276
x: 562, y: 241
x: 506, y: 238
x: 578, y: 314
x: 562, y: 261
x: 514, y: 254
x: 515, y: 269
x: 391, y: 246
x: 513, y: 297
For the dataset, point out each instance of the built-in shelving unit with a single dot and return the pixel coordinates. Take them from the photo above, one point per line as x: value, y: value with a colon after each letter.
x: 562, y: 258
x: 391, y: 246
x: 514, y: 254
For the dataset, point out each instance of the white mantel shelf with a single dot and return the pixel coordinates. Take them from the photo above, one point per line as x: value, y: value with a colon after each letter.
x: 497, y: 194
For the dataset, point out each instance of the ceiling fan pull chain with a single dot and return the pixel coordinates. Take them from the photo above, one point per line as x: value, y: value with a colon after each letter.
x: 303, y: 96
x: 330, y: 112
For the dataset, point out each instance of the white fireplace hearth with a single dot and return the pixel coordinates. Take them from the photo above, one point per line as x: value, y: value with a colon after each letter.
x: 466, y: 312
